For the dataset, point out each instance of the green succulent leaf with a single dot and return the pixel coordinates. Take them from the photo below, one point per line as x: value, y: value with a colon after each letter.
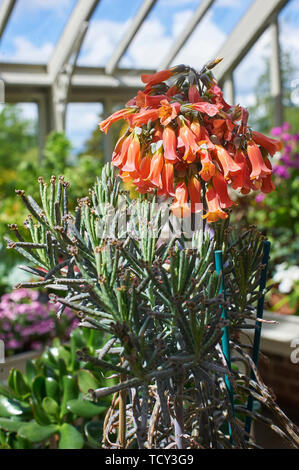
x: 39, y: 413
x: 39, y: 388
x: 87, y: 381
x: 52, y: 388
x: 17, y: 383
x: 36, y: 433
x: 70, y: 437
x: 93, y: 432
x: 11, y: 407
x: 10, y: 425
x: 70, y: 392
x: 51, y: 407
x: 30, y: 372
x: 85, y: 408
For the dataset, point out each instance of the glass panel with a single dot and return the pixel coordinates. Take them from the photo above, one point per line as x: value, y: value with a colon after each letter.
x: 212, y: 31
x: 165, y: 23
x: 252, y: 80
x: 155, y: 37
x: 107, y: 26
x: 252, y: 76
x: 289, y: 41
x: 227, y: 13
x: 81, y: 120
x: 33, y: 30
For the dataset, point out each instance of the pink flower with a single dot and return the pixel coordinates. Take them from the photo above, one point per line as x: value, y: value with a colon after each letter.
x: 14, y: 344
x: 260, y: 197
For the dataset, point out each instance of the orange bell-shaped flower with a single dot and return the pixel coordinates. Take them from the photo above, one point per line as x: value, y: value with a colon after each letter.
x: 180, y: 207
x: 271, y: 145
x: 121, y: 114
x: 144, y: 100
x: 208, y: 167
x: 167, y: 188
x: 242, y: 179
x: 133, y: 156
x: 259, y: 168
x: 215, y: 211
x: 168, y: 112
x: 155, y: 175
x: 230, y: 167
x: 189, y: 141
x: 170, y: 144
x: 220, y: 186
x: 120, y: 152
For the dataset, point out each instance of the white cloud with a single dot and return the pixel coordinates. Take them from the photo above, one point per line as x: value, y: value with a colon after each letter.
x: 204, y: 43
x: 246, y: 99
x: 29, y: 111
x: 249, y: 70
x: 81, y: 120
x: 178, y: 3
x: 50, y: 4
x: 26, y: 51
x: 152, y: 42
x: 289, y: 40
x: 101, y: 39
x: 228, y: 3
x: 55, y: 5
x: 149, y: 46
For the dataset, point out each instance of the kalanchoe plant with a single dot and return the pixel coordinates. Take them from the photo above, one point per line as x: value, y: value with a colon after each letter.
x: 185, y: 142
x: 160, y: 300
x: 160, y: 309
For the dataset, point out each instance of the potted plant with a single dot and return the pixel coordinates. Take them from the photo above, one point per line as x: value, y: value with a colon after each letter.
x: 171, y: 307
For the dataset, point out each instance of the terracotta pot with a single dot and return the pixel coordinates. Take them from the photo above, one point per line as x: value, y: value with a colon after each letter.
x: 284, y: 309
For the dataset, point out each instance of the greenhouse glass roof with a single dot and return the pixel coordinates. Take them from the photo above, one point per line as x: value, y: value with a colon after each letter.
x: 57, y: 51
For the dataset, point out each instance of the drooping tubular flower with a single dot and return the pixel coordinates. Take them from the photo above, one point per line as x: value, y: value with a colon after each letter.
x: 185, y: 142
x: 229, y: 166
x: 180, y: 206
x: 259, y: 168
x: 188, y: 140
x: 133, y: 156
x: 208, y: 168
x: 122, y: 114
x: 215, y: 211
x: 170, y: 144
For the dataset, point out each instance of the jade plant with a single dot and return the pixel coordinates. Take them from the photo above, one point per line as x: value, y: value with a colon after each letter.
x: 143, y: 272
x: 45, y: 407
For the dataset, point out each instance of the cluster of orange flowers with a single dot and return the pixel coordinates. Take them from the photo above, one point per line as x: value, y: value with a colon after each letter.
x: 185, y: 142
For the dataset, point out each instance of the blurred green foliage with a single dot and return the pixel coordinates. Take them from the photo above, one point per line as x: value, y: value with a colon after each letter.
x: 47, y: 406
x: 20, y: 167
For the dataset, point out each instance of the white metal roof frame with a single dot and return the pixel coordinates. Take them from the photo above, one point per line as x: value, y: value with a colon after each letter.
x: 61, y: 80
